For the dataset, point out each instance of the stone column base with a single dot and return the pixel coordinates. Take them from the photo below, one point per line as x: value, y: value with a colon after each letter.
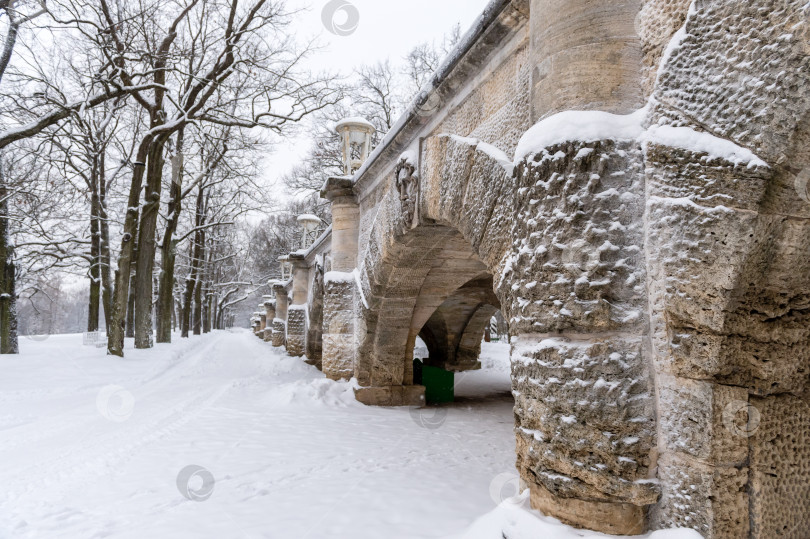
x: 268, y: 334
x: 391, y: 395
x: 605, y: 517
x: 296, y: 330
x: 463, y: 367
x: 279, y: 333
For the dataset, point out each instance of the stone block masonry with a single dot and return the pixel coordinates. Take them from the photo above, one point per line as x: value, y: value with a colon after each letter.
x: 628, y: 184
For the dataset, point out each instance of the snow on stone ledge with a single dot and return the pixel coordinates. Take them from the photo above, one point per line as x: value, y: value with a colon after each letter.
x: 580, y: 125
x: 594, y: 125
x: 700, y: 142
x: 347, y: 277
x: 338, y: 277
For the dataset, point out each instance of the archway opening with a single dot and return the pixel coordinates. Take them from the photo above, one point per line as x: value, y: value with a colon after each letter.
x: 429, y: 283
x: 461, y: 353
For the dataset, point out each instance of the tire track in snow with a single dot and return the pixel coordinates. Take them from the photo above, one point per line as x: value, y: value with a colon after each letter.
x: 27, y: 434
x: 96, y: 455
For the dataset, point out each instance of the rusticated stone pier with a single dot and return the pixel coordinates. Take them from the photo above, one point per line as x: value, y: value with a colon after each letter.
x: 627, y: 182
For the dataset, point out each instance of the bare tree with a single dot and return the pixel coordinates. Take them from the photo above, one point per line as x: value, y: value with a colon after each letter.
x: 18, y: 13
x: 239, y: 67
x: 424, y: 60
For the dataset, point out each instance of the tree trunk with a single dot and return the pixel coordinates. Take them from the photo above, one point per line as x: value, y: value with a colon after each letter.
x: 207, y: 309
x: 165, y: 307
x: 193, y: 278
x: 115, y: 337
x: 198, y: 290
x: 174, y: 313
x: 95, y: 253
x: 168, y: 248
x: 104, y: 246
x: 188, y: 294
x: 145, y: 262
x: 131, y: 302
x: 8, y: 46
x: 207, y: 290
x: 197, y: 326
x: 8, y: 292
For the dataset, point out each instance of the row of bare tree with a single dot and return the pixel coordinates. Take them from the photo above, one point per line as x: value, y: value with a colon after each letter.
x: 143, y: 122
x: 131, y: 135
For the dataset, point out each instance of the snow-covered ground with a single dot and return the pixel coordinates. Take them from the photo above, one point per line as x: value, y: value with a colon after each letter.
x: 222, y: 436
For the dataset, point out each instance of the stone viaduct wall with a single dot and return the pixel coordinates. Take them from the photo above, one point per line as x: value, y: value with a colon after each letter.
x: 627, y: 183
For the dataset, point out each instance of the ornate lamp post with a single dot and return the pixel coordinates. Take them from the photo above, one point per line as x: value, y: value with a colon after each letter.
x: 356, y: 135
x: 310, y: 225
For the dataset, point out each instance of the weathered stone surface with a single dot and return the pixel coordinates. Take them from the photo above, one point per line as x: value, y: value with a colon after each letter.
x: 314, y: 338
x: 615, y: 518
x: 338, y: 328
x: 780, y: 473
x: 656, y: 290
x: 279, y: 333
x: 586, y: 56
x: 270, y: 307
x: 391, y: 396
x: 693, y: 418
x: 711, y: 499
x: 585, y: 418
x: 296, y: 330
x: 578, y: 241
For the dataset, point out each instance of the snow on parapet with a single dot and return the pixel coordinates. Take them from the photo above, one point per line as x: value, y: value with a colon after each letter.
x: 580, y: 125
x: 701, y: 142
x: 594, y: 125
x: 347, y: 277
x: 338, y: 277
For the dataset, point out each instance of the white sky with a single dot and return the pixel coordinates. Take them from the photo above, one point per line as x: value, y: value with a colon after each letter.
x: 386, y: 29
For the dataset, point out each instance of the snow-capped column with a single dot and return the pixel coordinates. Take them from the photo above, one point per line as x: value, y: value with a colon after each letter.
x: 339, y: 348
x: 280, y: 321
x: 345, y: 223
x: 297, y: 312
x: 270, y: 308
x: 575, y: 293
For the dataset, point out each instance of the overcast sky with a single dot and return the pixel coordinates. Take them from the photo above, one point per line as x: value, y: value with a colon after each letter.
x: 374, y: 30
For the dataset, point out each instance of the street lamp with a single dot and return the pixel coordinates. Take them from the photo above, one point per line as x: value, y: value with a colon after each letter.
x: 355, y: 134
x: 310, y: 225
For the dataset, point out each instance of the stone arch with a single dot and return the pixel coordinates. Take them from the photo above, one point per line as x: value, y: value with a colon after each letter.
x: 416, y: 258
x: 469, y: 346
x: 454, y: 331
x: 431, y: 335
x: 581, y: 376
x: 402, y: 289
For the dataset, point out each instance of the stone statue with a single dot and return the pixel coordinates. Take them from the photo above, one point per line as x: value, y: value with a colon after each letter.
x: 408, y: 187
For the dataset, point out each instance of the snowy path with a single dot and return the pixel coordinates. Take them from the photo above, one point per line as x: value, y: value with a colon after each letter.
x: 292, y: 454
